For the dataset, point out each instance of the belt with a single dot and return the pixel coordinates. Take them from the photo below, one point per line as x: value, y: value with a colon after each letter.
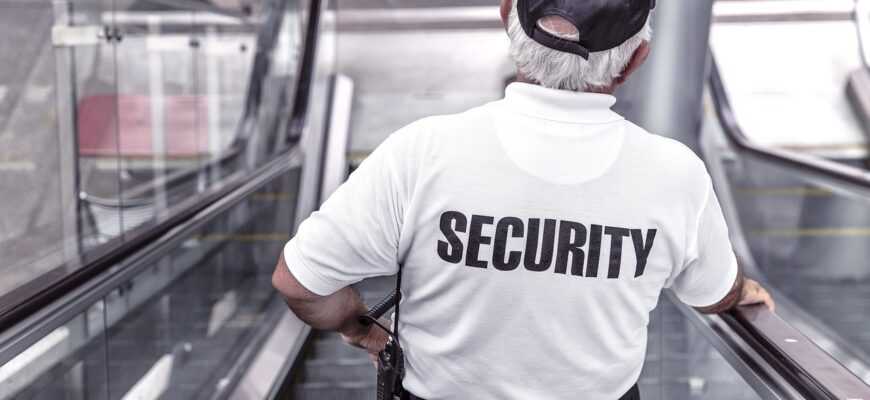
x: 632, y: 394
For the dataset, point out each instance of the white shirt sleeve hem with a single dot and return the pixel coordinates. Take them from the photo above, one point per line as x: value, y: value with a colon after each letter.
x: 310, y: 279
x: 713, y: 296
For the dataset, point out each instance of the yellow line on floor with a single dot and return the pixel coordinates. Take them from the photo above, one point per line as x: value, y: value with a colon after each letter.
x: 251, y: 237
x: 273, y: 196
x: 786, y: 191
x: 818, y: 232
x: 20, y: 166
x: 824, y: 147
x: 356, y: 157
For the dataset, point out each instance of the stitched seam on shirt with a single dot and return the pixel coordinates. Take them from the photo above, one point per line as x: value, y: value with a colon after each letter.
x: 322, y: 279
x: 570, y: 121
x: 615, y: 117
x: 709, y: 188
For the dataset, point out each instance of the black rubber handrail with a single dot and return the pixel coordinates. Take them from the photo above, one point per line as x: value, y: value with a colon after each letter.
x: 15, y: 305
x: 76, y: 299
x: 203, y: 6
x: 812, y: 371
x: 807, y: 367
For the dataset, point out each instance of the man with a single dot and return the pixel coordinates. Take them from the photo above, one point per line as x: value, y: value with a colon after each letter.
x: 535, y: 233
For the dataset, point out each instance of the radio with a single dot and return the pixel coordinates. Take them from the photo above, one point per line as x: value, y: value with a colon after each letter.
x: 391, y: 360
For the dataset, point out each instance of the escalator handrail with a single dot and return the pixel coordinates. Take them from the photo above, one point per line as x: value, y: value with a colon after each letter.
x: 203, y: 6
x: 807, y: 367
x: 811, y: 370
x: 848, y: 177
x: 34, y: 321
x: 862, y: 25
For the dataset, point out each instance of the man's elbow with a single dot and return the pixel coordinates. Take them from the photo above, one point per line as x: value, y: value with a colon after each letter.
x: 717, y: 308
x: 286, y: 284
x: 277, y: 278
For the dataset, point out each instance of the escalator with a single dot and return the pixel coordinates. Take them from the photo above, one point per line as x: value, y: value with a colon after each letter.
x: 190, y: 314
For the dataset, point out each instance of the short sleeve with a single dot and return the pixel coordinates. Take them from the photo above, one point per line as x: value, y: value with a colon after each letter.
x: 355, y: 234
x: 711, y: 266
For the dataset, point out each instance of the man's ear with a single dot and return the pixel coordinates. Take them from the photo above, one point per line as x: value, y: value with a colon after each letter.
x: 636, y: 61
x: 505, y: 11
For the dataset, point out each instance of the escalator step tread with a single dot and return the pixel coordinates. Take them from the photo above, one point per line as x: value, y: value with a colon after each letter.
x: 332, y: 393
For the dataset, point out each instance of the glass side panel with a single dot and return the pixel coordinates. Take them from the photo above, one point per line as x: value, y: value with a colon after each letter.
x: 68, y: 363
x: 161, y: 140
x: 178, y: 328
x: 118, y: 114
x: 225, y: 61
x: 58, y: 139
x: 31, y: 169
x: 682, y: 364
x: 812, y: 243
x: 180, y: 325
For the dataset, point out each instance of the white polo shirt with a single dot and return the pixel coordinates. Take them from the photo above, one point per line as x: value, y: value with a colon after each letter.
x: 536, y: 234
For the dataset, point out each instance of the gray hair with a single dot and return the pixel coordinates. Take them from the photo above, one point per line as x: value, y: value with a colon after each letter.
x: 566, y: 71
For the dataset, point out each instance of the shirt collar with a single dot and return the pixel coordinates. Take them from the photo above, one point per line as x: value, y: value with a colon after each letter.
x: 560, y: 105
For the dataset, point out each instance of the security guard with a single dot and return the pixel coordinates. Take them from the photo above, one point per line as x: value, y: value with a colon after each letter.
x: 535, y: 233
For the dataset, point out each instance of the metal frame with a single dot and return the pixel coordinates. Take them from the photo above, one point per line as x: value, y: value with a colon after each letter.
x: 861, y: 16
x: 67, y: 137
x: 741, y: 11
x: 335, y: 165
x: 309, y: 126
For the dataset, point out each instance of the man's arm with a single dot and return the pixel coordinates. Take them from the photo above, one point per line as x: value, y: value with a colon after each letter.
x: 336, y: 312
x: 745, y: 291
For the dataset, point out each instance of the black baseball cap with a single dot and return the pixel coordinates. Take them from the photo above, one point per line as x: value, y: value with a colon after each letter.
x: 603, y: 24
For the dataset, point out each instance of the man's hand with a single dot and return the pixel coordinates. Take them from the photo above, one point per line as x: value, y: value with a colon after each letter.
x: 744, y: 292
x: 753, y: 293
x: 372, y: 339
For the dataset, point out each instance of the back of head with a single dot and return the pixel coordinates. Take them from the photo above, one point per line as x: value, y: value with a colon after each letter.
x: 566, y: 70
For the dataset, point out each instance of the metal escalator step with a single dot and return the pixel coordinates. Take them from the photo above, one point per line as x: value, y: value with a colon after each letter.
x: 339, y: 371
x: 345, y: 391
x: 332, y: 369
x: 333, y: 349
